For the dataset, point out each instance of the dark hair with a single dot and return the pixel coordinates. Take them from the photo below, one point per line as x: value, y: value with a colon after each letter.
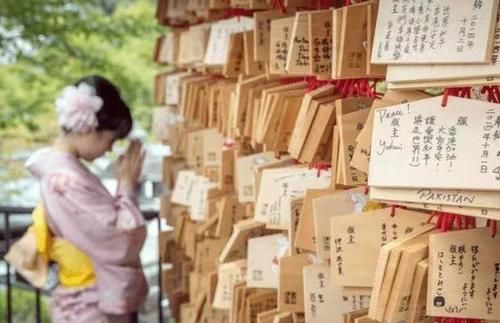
x: 115, y: 113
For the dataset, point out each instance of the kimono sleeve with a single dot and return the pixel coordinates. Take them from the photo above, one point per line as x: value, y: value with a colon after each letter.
x: 110, y: 229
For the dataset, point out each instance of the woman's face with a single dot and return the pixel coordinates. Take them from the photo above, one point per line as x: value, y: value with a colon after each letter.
x: 95, y: 144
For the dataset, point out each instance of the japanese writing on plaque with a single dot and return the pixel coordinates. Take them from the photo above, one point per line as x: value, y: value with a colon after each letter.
x: 432, y: 144
x: 281, y: 48
x: 281, y: 30
x: 285, y: 185
x: 492, y: 292
x: 418, y: 30
x: 302, y: 44
x: 464, y: 274
x: 456, y: 257
x: 490, y: 135
x: 455, y: 147
x: 317, y: 297
x: 438, y: 298
x: 338, y: 258
x: 261, y: 304
x: 418, y: 25
x: 220, y: 33
x: 321, y: 44
x: 357, y: 301
x: 262, y: 31
x: 290, y: 297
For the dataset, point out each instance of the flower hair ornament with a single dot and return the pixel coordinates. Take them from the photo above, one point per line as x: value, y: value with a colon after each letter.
x: 77, y: 107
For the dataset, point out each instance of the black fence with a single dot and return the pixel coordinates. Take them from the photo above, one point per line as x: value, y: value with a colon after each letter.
x: 11, y: 230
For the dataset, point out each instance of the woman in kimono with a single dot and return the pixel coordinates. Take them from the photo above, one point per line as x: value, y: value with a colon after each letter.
x: 93, y: 237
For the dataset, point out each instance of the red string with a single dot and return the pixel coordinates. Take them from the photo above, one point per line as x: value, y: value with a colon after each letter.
x: 456, y: 320
x: 466, y: 92
x: 440, y: 218
x: 320, y: 166
x: 290, y: 80
x: 325, y: 4
x: 356, y: 87
x: 493, y: 93
x: 463, y: 92
x: 217, y: 76
x: 431, y: 217
x: 496, y: 93
x: 460, y: 222
x: 318, y: 4
x: 238, y: 12
x: 448, y: 92
x: 313, y: 83
x: 278, y: 4
x: 447, y: 221
x: 184, y: 24
x: 493, y: 225
x: 367, y: 189
x: 466, y: 223
x: 491, y: 97
x: 393, y: 210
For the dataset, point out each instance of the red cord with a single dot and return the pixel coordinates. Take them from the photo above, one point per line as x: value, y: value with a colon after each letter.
x: 217, y: 76
x: 393, y: 210
x: 456, y: 320
x: 463, y: 92
x: 466, y: 92
x: 313, y: 83
x: 318, y: 4
x: 460, y: 222
x: 444, y: 102
x: 184, y: 24
x: 356, y: 87
x: 319, y: 166
x: 278, y: 4
x: 431, y: 217
x: 238, y: 12
x: 493, y: 225
x: 446, y: 221
x: 496, y: 94
x: 290, y: 80
x: 493, y: 93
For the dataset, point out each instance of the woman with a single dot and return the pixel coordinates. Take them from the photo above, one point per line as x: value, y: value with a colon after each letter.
x: 95, y: 238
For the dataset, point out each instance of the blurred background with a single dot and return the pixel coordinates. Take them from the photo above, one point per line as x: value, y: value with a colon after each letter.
x: 44, y: 46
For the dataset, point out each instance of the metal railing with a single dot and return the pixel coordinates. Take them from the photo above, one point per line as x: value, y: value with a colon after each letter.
x: 8, y: 236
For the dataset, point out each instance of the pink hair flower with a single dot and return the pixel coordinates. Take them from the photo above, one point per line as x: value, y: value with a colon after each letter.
x: 77, y: 108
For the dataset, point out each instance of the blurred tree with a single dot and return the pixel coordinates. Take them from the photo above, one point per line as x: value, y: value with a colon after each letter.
x: 45, y: 45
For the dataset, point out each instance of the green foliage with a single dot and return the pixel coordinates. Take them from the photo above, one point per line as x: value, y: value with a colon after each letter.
x: 23, y: 306
x: 49, y: 44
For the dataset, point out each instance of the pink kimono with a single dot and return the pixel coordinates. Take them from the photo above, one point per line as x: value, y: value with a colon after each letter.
x: 109, y: 229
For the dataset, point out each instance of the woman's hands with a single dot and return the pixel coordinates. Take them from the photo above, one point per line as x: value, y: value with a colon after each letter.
x: 130, y: 165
